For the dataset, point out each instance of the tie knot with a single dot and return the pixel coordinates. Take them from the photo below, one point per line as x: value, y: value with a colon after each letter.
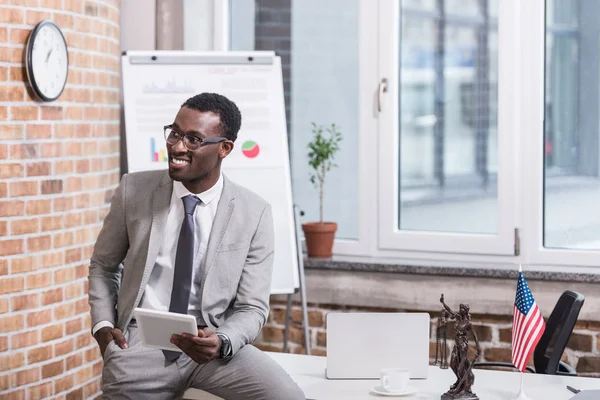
x: 190, y: 203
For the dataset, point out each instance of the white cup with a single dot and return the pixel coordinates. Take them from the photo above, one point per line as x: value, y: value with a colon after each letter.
x: 394, y: 380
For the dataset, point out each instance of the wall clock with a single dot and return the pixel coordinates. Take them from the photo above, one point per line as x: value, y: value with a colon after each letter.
x: 47, y: 61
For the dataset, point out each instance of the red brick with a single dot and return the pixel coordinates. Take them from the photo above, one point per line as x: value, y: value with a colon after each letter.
x: 52, y: 332
x: 52, y: 259
x: 73, y: 326
x: 11, y: 284
x: 25, y: 377
x: 11, y: 361
x: 11, y: 171
x: 74, y: 361
x: 38, y: 131
x: 51, y: 113
x: 38, y: 168
x: 3, y: 343
x: 49, y: 150
x: 52, y: 186
x: 63, y: 203
x: 52, y: 369
x: 12, y: 208
x: 12, y: 15
x: 25, y: 264
x: 3, y: 267
x: 39, y: 280
x: 74, y: 290
x: 3, y: 229
x: 24, y: 151
x: 39, y: 392
x: 73, y: 255
x: 39, y: 243
x: 12, y: 93
x: 64, y: 383
x: 11, y: 132
x: 63, y: 348
x: 52, y: 296
x: 11, y: 246
x: 51, y: 223
x: 3, y: 189
x: 35, y: 207
x: 36, y: 318
x: 39, y: 354
x: 24, y: 113
x: 24, y: 339
x: 24, y: 188
x: 3, y: 306
x: 23, y: 226
x: 64, y: 311
x: 25, y: 302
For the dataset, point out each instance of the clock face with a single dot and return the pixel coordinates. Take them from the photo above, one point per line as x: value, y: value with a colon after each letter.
x: 47, y: 61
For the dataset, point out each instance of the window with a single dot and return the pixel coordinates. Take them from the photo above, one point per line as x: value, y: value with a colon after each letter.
x: 470, y: 126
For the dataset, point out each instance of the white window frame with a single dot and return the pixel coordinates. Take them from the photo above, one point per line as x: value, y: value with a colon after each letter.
x: 533, y: 27
x: 521, y: 69
x: 389, y: 236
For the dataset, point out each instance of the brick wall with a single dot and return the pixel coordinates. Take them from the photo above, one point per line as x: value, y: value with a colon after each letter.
x: 494, y: 333
x: 59, y: 165
x: 273, y: 31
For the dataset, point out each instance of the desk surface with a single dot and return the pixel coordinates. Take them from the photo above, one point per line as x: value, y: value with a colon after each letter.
x: 309, y: 373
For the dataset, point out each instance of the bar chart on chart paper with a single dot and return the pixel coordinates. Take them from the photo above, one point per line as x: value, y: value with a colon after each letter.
x: 157, y: 155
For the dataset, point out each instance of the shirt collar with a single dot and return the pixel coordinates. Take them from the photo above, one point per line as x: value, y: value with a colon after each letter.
x: 206, y: 197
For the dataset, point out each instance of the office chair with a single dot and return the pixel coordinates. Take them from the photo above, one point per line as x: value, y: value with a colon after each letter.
x: 549, y: 350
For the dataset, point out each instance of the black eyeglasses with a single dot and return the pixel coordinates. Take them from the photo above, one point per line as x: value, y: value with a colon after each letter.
x: 192, y: 142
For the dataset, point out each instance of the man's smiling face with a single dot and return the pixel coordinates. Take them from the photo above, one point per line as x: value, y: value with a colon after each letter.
x: 191, y: 167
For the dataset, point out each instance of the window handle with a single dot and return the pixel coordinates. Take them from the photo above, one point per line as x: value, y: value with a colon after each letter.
x: 381, y: 88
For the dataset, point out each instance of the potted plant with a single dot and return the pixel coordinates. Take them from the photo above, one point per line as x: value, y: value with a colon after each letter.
x: 321, y: 152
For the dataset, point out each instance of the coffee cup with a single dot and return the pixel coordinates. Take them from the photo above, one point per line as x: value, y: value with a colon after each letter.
x: 394, y: 380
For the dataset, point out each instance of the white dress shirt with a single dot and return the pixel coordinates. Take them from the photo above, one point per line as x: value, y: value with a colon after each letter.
x: 157, y: 294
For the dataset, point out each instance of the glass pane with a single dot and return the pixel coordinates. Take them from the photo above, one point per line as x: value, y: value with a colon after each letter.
x: 420, y: 4
x: 463, y: 7
x: 318, y: 44
x: 571, y: 131
x: 448, y: 124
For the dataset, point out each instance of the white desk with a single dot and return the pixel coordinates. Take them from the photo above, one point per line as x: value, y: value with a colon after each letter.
x: 309, y: 373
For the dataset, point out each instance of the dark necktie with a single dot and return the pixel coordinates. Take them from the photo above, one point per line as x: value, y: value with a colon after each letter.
x: 184, y: 262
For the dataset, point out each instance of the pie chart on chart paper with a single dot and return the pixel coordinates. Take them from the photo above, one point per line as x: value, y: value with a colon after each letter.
x: 250, y: 149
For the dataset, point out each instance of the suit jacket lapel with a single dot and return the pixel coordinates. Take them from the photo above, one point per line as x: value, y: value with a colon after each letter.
x: 161, y: 201
x: 219, y: 227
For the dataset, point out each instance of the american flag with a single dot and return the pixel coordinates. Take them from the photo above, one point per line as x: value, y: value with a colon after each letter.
x: 528, y: 325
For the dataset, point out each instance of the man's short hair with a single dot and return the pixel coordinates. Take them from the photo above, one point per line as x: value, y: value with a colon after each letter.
x: 229, y: 113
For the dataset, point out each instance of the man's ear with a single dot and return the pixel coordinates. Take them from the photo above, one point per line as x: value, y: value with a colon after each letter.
x: 226, y: 148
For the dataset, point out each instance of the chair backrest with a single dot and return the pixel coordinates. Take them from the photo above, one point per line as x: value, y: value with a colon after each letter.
x: 559, y: 326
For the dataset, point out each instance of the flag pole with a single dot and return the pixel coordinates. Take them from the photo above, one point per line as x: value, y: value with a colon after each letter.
x: 522, y: 395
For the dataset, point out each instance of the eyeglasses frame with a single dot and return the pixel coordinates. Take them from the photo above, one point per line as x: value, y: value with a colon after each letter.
x: 183, y: 136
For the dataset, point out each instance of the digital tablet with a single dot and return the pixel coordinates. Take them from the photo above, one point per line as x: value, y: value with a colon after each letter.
x: 156, y: 327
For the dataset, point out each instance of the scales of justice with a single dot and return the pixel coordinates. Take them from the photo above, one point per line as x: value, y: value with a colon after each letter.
x: 460, y: 363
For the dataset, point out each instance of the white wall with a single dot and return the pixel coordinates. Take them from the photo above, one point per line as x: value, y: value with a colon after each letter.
x: 138, y: 25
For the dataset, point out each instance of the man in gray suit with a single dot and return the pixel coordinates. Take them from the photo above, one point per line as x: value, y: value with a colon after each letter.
x: 188, y: 241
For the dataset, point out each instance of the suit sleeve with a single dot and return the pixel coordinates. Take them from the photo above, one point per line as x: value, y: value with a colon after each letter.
x: 106, y: 261
x: 251, y: 305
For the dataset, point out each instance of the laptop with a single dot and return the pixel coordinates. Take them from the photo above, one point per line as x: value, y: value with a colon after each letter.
x: 360, y: 344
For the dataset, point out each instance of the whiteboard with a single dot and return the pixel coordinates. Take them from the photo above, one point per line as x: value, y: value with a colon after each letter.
x: 156, y: 83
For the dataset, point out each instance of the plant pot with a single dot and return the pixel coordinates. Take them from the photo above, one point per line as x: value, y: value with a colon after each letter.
x: 319, y: 238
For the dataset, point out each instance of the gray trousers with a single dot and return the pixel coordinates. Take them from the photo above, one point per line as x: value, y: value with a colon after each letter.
x: 140, y: 372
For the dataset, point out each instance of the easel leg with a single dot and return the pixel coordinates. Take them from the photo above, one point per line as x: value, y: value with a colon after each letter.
x: 286, y: 332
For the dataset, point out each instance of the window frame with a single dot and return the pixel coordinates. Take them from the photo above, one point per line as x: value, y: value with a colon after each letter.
x: 521, y: 85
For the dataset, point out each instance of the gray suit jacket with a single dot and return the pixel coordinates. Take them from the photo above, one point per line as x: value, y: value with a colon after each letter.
x: 236, y: 275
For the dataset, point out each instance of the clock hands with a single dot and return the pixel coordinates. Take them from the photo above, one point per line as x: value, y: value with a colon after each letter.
x: 48, y: 56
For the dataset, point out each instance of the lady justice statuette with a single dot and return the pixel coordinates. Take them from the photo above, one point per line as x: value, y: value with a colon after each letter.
x: 459, y: 361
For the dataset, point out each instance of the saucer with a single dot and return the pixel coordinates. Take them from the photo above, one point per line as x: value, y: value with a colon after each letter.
x: 409, y: 390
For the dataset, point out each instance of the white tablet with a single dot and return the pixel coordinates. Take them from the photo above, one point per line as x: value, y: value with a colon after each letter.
x: 156, y: 327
